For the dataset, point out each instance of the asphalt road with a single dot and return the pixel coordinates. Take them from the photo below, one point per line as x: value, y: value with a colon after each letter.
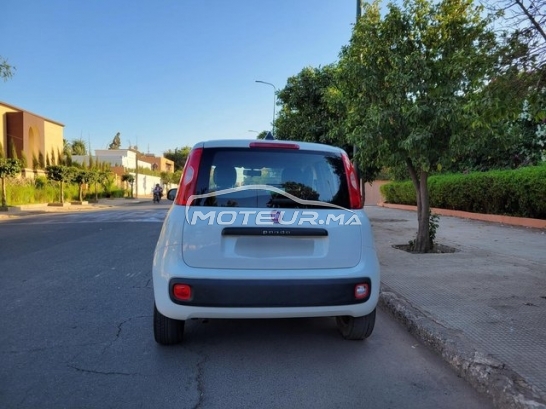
x: 76, y: 332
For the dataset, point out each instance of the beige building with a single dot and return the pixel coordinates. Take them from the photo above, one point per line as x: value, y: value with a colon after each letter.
x: 160, y: 164
x: 29, y: 134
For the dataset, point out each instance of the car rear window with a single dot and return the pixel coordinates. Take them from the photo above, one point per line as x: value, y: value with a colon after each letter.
x: 307, y: 175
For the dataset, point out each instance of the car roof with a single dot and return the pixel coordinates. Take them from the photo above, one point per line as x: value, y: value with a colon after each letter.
x: 245, y: 143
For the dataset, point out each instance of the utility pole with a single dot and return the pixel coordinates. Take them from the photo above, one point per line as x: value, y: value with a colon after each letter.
x: 358, y: 14
x: 136, y: 169
x: 136, y: 173
x: 362, y: 185
x: 274, y: 103
x: 358, y: 9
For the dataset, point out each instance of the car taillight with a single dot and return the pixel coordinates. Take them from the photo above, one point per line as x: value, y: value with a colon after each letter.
x: 355, y: 198
x: 182, y: 292
x: 274, y: 145
x: 189, y: 177
x: 362, y: 291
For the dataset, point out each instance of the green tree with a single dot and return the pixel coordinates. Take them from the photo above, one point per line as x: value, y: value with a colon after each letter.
x: 177, y: 175
x: 406, y: 79
x: 24, y: 160
x: 61, y: 174
x: 13, y: 150
x: 312, y: 110
x: 130, y: 179
x: 9, y: 167
x: 35, y: 161
x: 166, y: 178
x: 306, y: 114
x: 63, y: 159
x: 41, y: 160
x: 67, y: 148
x: 94, y: 176
x: 525, y: 19
x: 6, y: 70
x: 107, y: 179
x: 80, y: 177
x: 178, y: 156
x: 78, y: 147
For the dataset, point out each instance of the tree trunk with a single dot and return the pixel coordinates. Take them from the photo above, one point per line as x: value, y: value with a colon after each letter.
x: 62, y: 192
x: 4, y: 194
x: 422, y: 242
x: 80, y: 192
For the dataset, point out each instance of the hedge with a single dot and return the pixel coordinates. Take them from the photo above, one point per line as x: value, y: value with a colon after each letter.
x: 41, y: 190
x: 520, y: 192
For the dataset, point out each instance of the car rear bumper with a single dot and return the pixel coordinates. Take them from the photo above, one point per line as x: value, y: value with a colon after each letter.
x: 223, y: 293
x: 184, y: 312
x: 255, y: 299
x: 271, y: 293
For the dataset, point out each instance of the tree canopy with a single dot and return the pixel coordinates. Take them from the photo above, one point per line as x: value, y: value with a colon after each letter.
x: 178, y: 156
x: 525, y: 19
x: 6, y: 70
x: 305, y: 114
x: 78, y: 147
x: 9, y: 167
x: 61, y: 174
x: 409, y: 81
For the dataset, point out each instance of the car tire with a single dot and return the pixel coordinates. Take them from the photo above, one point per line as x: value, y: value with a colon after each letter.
x: 166, y: 330
x: 356, y: 328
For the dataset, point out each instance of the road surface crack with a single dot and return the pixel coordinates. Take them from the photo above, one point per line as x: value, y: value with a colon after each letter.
x: 102, y: 372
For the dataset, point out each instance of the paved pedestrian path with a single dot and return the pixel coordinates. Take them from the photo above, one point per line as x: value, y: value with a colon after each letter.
x: 488, y: 299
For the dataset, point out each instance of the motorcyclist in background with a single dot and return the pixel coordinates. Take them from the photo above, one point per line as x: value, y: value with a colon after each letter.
x: 158, y: 193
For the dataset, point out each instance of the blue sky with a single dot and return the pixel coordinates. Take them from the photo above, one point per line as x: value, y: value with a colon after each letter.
x: 164, y: 73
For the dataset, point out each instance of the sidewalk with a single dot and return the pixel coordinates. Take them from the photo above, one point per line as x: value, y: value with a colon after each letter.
x: 483, y: 308
x: 18, y: 211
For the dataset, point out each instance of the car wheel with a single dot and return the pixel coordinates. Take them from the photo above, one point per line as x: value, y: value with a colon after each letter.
x: 356, y: 328
x: 166, y: 330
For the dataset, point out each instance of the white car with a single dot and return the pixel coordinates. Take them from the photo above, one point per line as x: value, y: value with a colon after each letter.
x: 265, y: 229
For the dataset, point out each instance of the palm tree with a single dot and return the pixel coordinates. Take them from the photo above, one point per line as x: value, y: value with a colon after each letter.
x: 79, y: 147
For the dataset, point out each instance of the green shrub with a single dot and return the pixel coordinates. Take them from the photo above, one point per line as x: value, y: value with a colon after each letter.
x: 101, y: 193
x: 520, y: 192
x: 117, y: 193
x: 40, y: 182
x: 399, y: 192
x: 27, y: 191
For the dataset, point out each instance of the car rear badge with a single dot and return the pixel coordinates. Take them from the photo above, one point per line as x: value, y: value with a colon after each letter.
x: 275, y: 216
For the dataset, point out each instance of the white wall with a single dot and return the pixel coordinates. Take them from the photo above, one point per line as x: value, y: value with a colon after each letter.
x: 144, y: 184
x: 120, y: 157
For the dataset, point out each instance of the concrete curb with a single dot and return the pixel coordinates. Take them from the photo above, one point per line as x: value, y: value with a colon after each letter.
x: 494, y: 218
x: 76, y: 206
x: 506, y: 388
x: 40, y: 208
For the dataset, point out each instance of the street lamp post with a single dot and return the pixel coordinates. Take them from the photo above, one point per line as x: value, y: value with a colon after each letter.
x: 358, y: 15
x: 274, y: 103
x: 136, y: 173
